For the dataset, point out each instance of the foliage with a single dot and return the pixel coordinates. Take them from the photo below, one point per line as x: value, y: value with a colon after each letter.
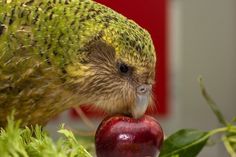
x: 189, y: 142
x: 34, y: 142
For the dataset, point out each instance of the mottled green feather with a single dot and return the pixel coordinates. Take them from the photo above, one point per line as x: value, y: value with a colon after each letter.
x: 64, y: 26
x: 43, y: 52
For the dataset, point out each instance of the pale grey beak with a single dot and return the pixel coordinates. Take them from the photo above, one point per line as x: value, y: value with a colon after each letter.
x: 142, y: 100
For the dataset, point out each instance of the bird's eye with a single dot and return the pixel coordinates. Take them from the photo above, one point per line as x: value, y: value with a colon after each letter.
x: 124, y: 69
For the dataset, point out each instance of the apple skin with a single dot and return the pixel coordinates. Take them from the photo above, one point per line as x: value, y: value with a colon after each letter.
x: 123, y: 136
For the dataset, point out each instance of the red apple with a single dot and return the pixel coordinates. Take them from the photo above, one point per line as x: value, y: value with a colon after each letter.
x: 123, y: 136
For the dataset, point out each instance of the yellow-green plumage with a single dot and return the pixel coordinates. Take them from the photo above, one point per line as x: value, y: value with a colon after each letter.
x: 45, y: 55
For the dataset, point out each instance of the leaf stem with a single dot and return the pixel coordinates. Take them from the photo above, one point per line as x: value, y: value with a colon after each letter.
x: 228, y: 146
x: 218, y: 130
x: 232, y: 139
x: 230, y: 129
x: 211, y: 103
x: 226, y: 140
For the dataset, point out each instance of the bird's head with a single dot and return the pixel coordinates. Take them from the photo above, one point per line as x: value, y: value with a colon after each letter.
x: 117, y: 70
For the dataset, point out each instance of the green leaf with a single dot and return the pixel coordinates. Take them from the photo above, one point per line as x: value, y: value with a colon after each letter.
x: 184, y: 143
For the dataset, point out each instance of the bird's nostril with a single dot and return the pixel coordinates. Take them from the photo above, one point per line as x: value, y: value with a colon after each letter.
x: 142, y: 89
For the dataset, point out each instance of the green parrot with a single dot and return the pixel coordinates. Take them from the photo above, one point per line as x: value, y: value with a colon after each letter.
x: 58, y: 54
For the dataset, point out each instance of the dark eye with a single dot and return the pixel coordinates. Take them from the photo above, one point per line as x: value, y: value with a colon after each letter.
x: 124, y: 69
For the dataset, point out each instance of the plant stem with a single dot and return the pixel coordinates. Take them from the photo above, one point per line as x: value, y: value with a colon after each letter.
x: 232, y: 139
x: 226, y: 140
x: 231, y: 129
x: 218, y: 130
x: 211, y: 103
x: 228, y: 147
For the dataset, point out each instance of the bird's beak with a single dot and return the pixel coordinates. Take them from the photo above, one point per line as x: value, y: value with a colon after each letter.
x: 142, y: 100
